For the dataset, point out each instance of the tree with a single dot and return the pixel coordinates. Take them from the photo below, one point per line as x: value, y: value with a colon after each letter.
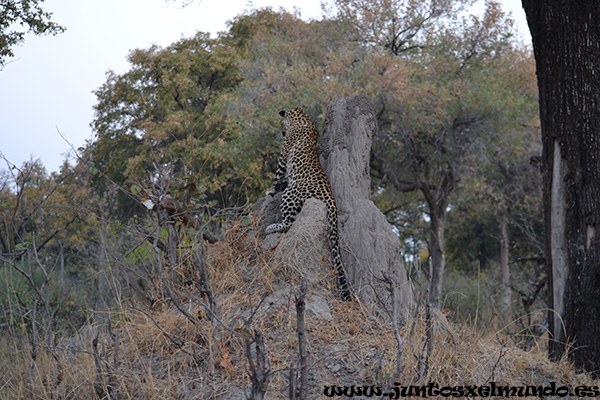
x: 565, y: 41
x: 46, y: 239
x: 515, y: 188
x: 498, y: 214
x: 154, y: 118
x: 461, y: 98
x: 26, y: 13
x: 401, y: 26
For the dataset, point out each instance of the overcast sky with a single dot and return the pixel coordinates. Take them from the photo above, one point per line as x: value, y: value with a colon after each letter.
x: 49, y: 83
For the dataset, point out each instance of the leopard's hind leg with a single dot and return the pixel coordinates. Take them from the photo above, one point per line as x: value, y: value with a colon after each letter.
x: 292, y: 201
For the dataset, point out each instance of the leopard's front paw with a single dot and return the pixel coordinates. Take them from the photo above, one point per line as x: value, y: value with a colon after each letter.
x: 270, y: 192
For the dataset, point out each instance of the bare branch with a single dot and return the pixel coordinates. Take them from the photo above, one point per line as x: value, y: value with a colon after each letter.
x: 300, y: 308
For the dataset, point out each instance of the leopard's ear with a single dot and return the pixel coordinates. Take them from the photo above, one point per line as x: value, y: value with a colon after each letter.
x: 282, y: 113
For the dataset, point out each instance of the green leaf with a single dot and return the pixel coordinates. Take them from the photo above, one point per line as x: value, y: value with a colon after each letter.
x: 22, y: 246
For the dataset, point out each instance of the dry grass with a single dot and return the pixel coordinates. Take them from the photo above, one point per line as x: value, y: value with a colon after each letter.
x: 160, y: 354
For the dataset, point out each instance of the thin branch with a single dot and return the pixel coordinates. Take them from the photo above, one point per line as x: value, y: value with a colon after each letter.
x: 395, y: 321
x: 49, y: 238
x: 149, y: 237
x: 300, y: 308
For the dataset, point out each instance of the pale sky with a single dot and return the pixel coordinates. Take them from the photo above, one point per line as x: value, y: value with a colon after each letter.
x: 49, y: 83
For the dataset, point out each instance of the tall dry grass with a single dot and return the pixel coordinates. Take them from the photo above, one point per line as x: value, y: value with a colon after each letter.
x: 158, y: 353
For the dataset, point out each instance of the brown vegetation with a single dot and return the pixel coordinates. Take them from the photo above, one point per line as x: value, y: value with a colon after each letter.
x: 159, y: 354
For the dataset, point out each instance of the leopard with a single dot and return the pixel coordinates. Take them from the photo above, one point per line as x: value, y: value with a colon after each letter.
x: 300, y: 176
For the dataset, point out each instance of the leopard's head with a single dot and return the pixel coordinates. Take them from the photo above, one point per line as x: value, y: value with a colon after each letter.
x: 295, y: 123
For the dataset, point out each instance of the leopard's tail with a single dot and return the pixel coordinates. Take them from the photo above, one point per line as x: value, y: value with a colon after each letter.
x: 335, y: 250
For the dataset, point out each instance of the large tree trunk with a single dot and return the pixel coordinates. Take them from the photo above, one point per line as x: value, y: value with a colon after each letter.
x: 566, y: 42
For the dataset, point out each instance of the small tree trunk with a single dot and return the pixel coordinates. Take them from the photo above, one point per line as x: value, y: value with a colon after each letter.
x: 436, y: 251
x: 62, y: 266
x: 260, y: 370
x: 165, y: 220
x: 504, y: 267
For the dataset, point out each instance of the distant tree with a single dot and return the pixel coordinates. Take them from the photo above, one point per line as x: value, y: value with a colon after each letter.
x: 514, y: 186
x: 497, y: 215
x: 401, y: 26
x: 503, y: 189
x: 565, y: 37
x: 46, y: 229
x: 154, y: 118
x: 27, y: 14
x: 458, y: 98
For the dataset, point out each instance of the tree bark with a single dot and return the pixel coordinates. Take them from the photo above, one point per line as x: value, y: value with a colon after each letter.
x: 566, y: 42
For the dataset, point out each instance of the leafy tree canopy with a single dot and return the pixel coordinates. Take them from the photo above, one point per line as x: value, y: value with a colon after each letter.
x: 154, y: 118
x: 30, y: 17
